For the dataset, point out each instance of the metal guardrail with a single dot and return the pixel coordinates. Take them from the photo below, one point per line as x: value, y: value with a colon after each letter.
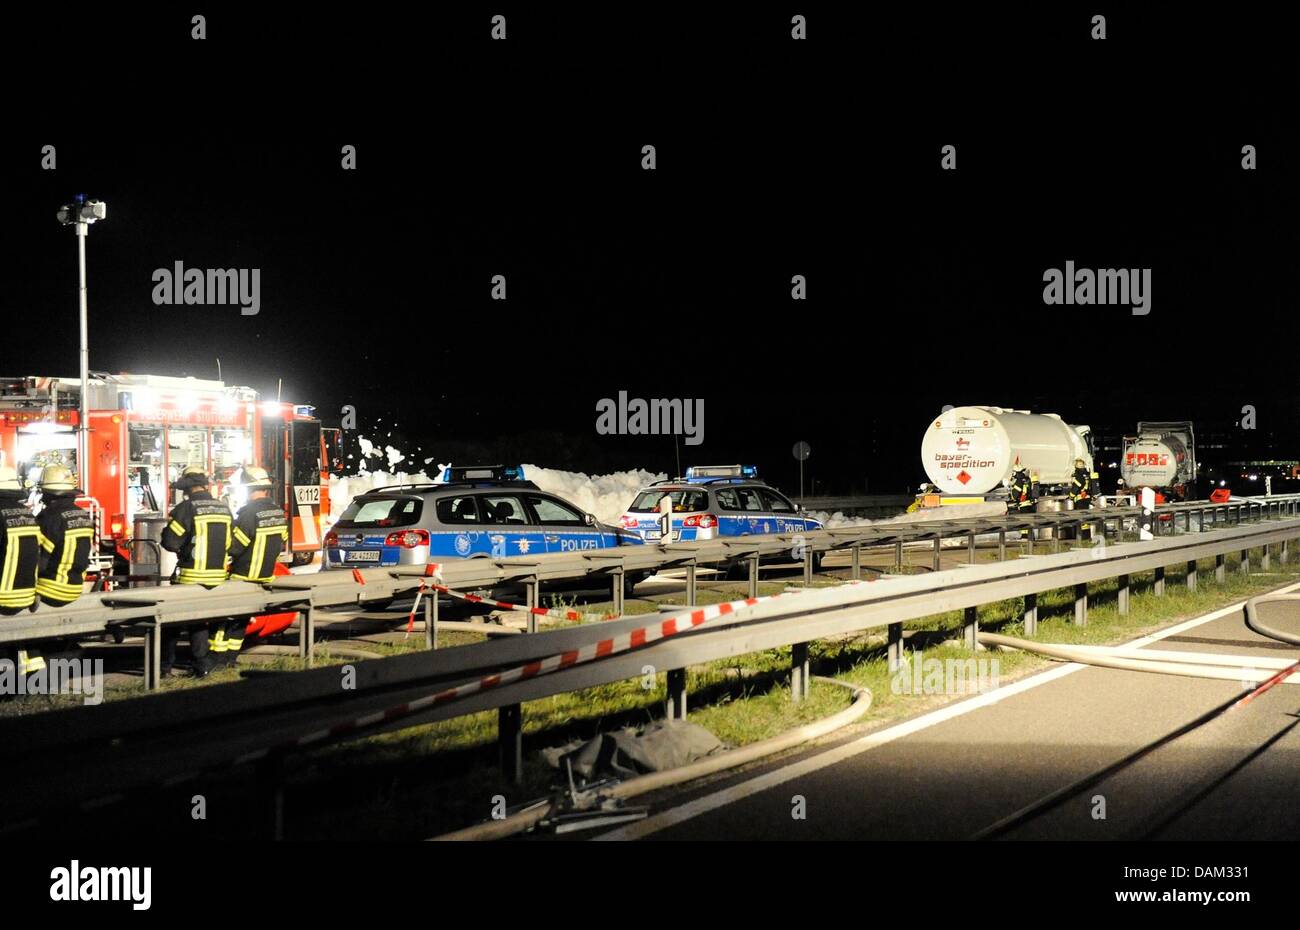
x: 155, y: 608
x: 69, y: 756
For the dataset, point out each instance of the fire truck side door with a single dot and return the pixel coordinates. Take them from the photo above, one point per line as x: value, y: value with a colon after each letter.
x: 305, y: 468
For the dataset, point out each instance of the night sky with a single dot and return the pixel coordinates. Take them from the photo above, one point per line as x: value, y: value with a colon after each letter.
x: 775, y: 158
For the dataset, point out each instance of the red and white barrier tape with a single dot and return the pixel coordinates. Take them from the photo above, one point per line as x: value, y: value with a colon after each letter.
x: 632, y: 639
x: 555, y: 612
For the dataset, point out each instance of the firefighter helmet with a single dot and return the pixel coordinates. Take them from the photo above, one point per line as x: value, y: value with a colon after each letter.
x: 1078, y: 463
x: 192, y: 477
x: 57, y: 478
x: 255, y: 477
x: 9, y: 480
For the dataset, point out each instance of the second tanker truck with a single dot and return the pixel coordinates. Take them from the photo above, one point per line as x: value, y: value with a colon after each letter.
x: 1161, y: 456
x: 970, y: 452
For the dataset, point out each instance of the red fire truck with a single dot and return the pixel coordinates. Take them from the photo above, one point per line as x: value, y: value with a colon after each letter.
x: 146, y: 429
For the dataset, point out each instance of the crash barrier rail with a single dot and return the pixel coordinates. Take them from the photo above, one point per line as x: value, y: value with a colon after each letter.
x: 155, y: 609
x: 79, y: 756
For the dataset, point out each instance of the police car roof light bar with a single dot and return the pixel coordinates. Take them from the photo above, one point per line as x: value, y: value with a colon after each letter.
x: 722, y: 471
x: 465, y: 473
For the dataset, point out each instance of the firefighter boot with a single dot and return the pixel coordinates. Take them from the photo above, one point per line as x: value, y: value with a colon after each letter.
x: 201, y: 662
x: 234, y: 642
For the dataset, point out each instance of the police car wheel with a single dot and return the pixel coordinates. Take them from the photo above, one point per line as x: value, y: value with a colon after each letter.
x: 303, y: 558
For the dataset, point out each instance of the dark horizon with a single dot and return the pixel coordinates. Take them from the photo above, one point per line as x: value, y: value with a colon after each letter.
x: 925, y: 286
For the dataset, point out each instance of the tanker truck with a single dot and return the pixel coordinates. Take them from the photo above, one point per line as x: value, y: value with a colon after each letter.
x: 1162, y: 456
x: 970, y: 452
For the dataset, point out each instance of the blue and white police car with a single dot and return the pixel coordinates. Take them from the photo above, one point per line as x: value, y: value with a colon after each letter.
x: 487, y: 511
x: 713, y: 501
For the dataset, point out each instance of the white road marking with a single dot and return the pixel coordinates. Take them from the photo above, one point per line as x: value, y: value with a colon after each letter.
x: 745, y: 789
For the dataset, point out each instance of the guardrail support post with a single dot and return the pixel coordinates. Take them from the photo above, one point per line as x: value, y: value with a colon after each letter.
x: 533, y: 595
x: 690, y: 585
x: 856, y: 571
x: 1002, y: 545
x: 937, y: 541
x: 1160, y: 582
x: 510, y: 740
x: 970, y: 627
x: 970, y: 548
x: 894, y: 649
x: 431, y: 620
x: 677, y: 694
x: 1220, y: 568
x: 153, y: 635
x: 898, y: 556
x: 1244, y: 568
x: 616, y: 592
x: 753, y: 574
x: 307, y: 634
x: 1123, y: 592
x: 807, y: 567
x: 1080, y: 605
x: 1191, y: 575
x: 799, y: 672
x: 1031, y: 614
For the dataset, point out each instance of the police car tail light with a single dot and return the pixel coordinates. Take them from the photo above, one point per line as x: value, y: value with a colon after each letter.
x: 408, y: 539
x: 628, y: 522
x: 331, y: 538
x: 705, y: 521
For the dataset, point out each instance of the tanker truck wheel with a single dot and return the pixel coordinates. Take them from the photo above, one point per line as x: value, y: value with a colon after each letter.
x: 302, y: 558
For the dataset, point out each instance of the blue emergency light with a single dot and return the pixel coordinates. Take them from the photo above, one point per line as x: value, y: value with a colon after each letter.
x: 710, y: 472
x: 459, y: 473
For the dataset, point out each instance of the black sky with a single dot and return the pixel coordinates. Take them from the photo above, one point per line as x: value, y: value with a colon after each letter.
x: 775, y: 158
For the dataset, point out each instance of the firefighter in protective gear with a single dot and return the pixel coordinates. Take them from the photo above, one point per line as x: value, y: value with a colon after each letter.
x: 260, y: 535
x: 1023, y: 498
x: 67, y: 538
x: 199, y: 533
x: 20, y: 559
x: 1081, y: 493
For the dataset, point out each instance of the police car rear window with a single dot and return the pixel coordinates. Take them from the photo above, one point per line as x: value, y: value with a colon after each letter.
x: 684, y: 501
x: 382, y: 511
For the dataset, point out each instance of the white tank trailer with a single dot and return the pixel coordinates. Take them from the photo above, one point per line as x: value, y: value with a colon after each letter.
x: 971, y: 451
x: 1161, y: 456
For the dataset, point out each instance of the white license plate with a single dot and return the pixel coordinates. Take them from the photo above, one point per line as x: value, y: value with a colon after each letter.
x: 653, y: 534
x: 372, y: 556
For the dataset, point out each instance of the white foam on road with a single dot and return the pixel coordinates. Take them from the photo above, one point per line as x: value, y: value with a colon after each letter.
x: 607, y: 496
x: 805, y: 766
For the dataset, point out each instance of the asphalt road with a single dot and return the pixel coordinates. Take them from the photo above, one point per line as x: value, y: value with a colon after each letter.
x: 951, y: 775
